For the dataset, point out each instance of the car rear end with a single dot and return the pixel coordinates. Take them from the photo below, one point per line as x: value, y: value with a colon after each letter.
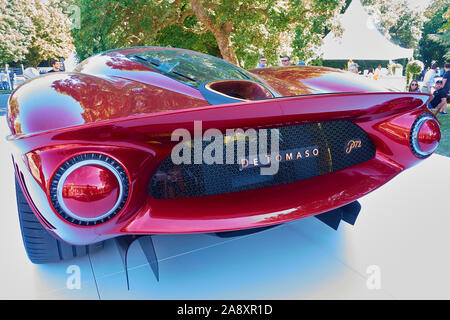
x: 333, y: 149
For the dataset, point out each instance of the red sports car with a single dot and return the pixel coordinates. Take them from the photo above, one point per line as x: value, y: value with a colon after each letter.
x: 105, y: 151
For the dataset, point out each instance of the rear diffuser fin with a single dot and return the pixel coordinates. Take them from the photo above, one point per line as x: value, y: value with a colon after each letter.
x: 348, y: 213
x: 147, y: 246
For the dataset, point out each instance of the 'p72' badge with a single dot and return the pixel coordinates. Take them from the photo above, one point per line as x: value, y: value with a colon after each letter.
x: 352, y: 144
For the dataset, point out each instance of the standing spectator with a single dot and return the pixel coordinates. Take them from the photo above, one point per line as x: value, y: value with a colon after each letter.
x: 262, y: 62
x: 12, y: 77
x: 439, y: 101
x: 62, y: 66
x: 349, y: 63
x: 4, y: 81
x: 446, y: 76
x: 370, y: 73
x: 422, y: 73
x: 55, y: 66
x: 353, y: 67
x: 285, y: 61
x: 428, y: 79
x: 413, y: 86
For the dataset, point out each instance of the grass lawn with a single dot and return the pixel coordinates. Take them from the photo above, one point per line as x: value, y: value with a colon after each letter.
x: 5, y: 91
x: 444, y: 146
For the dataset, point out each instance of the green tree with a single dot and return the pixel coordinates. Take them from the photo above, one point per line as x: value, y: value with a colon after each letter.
x: 51, y: 38
x: 444, y: 37
x: 239, y: 31
x: 32, y: 31
x: 318, y: 17
x: 16, y: 31
x: 108, y: 24
x: 430, y: 46
x: 245, y: 29
x: 178, y: 37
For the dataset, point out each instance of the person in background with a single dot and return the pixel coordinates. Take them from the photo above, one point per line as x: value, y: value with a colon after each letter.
x: 413, y: 86
x: 262, y: 62
x: 55, y: 66
x: 62, y: 66
x: 377, y: 73
x: 285, y: 61
x: 349, y: 63
x: 12, y: 76
x: 428, y: 79
x: 422, y: 73
x: 370, y: 73
x: 353, y: 67
x: 302, y: 63
x: 439, y: 101
x: 4, y: 81
x: 445, y: 77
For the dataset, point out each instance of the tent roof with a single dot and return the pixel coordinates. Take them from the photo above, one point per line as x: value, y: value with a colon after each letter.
x: 360, y: 40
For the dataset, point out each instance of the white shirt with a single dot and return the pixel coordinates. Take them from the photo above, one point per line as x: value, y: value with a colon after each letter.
x: 428, y: 79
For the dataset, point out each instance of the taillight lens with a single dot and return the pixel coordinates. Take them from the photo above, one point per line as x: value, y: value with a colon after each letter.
x: 89, y: 189
x: 425, y: 135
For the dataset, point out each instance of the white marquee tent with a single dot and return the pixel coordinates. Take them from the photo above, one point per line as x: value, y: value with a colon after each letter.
x: 360, y: 40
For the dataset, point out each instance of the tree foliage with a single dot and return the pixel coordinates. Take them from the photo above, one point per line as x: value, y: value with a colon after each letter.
x: 317, y: 17
x: 33, y: 31
x: 444, y: 37
x: 240, y: 31
x: 51, y: 38
x: 430, y: 46
x: 412, y: 68
x: 108, y: 24
x: 178, y: 37
x: 16, y: 30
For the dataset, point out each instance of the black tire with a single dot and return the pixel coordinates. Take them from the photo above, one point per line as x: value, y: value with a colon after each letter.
x: 41, y: 246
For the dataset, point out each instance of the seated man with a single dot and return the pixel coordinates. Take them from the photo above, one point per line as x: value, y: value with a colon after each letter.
x: 56, y: 65
x: 439, y: 101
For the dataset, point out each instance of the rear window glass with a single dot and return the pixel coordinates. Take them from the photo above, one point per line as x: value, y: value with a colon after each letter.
x: 189, y: 67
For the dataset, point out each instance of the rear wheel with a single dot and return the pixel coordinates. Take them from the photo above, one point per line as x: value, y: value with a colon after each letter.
x: 40, y: 245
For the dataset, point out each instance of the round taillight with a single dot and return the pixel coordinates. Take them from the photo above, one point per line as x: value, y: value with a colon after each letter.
x: 425, y: 135
x: 89, y: 189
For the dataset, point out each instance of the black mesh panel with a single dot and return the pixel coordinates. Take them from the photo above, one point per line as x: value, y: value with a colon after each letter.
x: 336, y: 145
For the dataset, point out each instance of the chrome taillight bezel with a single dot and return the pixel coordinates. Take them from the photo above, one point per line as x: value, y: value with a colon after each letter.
x: 74, y: 163
x: 414, y: 135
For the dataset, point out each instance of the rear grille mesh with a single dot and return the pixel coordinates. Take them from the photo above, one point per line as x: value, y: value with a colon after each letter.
x: 337, y: 144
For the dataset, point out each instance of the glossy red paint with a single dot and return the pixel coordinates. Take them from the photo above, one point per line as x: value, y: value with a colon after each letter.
x: 429, y: 136
x: 90, y: 191
x: 294, y: 81
x: 71, y: 99
x: 137, y: 134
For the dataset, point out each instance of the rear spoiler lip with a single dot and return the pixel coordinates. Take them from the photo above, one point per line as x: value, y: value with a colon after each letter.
x: 281, y: 100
